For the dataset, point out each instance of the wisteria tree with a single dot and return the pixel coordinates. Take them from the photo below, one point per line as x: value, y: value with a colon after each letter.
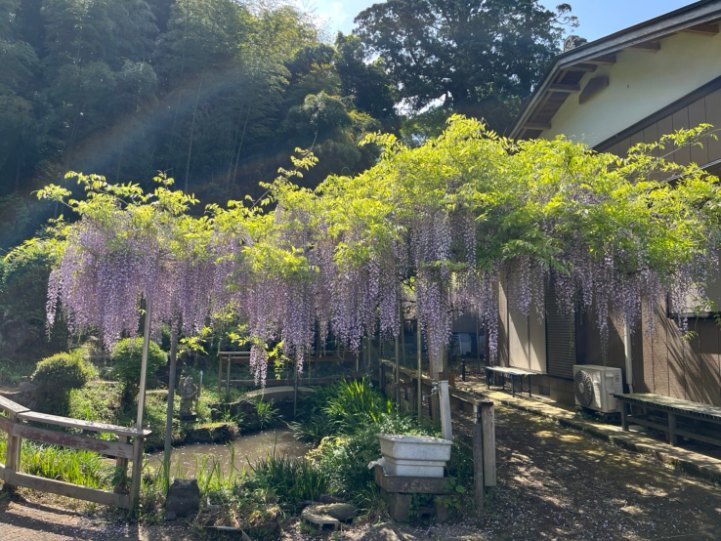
x: 453, y: 219
x: 125, y: 250
x: 469, y: 211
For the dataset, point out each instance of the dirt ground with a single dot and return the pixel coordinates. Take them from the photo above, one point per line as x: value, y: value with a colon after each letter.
x: 553, y: 483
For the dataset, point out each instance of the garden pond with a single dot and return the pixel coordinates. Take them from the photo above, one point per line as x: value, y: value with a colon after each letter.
x: 245, y: 450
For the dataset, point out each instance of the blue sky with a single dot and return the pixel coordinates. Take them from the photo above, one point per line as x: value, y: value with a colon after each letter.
x: 597, y: 17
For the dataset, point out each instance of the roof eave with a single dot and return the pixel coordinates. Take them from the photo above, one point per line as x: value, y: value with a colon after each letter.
x: 651, y: 30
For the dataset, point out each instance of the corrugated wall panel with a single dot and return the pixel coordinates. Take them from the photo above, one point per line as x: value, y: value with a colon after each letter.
x: 560, y: 341
x: 712, y: 104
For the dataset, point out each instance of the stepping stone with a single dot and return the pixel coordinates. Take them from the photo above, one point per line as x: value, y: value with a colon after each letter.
x: 318, y: 518
x: 343, y: 512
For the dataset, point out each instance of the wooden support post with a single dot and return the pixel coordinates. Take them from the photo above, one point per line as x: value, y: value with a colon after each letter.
x: 672, y: 439
x: 137, y: 472
x: 478, y: 346
x: 397, y: 353
x: 14, y: 440
x: 295, y: 391
x: 478, y: 482
x: 144, y: 364
x: 220, y: 374
x: 12, y: 460
x: 624, y: 414
x: 396, y: 371
x: 403, y: 339
x: 121, y: 471
x: 227, y: 379
x: 369, y: 344
x: 419, y: 345
x: 488, y: 424
x: 170, y: 403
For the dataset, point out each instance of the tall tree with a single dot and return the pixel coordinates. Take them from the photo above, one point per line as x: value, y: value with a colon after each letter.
x: 366, y: 83
x: 19, y: 69
x: 476, y: 57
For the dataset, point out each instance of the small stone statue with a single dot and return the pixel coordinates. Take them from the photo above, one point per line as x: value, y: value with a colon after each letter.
x: 188, y: 396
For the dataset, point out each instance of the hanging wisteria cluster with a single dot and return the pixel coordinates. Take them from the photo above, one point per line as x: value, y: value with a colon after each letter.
x: 445, y: 226
x: 127, y: 248
x: 101, y: 279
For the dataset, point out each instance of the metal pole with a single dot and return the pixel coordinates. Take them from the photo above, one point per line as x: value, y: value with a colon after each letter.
x: 144, y: 365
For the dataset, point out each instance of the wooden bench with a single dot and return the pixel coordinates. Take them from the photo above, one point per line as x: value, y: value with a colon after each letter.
x: 515, y: 375
x: 673, y: 416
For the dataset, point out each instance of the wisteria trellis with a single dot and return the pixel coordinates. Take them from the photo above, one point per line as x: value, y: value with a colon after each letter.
x: 444, y: 223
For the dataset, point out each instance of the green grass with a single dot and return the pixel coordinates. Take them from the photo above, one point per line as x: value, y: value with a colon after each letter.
x: 97, y: 401
x: 12, y: 372
x: 78, y: 467
x: 291, y: 480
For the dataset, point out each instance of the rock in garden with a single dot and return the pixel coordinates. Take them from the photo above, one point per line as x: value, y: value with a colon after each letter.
x: 183, y: 499
x: 312, y: 516
x: 344, y: 512
x: 264, y: 525
x: 329, y: 514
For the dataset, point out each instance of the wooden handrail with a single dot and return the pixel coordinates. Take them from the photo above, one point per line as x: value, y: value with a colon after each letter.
x: 15, y: 424
x: 8, y: 406
x: 90, y: 426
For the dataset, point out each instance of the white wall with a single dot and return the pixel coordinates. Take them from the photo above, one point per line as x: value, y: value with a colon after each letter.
x: 641, y: 83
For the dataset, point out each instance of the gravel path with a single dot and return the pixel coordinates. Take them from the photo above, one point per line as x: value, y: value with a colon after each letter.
x: 32, y: 516
x: 556, y: 483
x: 559, y: 484
x: 553, y: 483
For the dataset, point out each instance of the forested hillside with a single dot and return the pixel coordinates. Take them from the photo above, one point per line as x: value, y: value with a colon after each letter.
x: 216, y: 93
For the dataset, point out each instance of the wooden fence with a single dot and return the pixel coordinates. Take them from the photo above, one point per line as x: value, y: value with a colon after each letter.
x: 394, y: 379
x: 19, y: 422
x: 227, y: 359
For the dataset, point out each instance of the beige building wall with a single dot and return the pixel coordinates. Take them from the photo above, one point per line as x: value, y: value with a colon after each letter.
x: 641, y: 82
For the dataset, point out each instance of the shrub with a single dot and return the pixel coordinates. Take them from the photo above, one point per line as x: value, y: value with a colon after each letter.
x: 12, y: 372
x: 266, y: 412
x: 56, y: 376
x: 291, y: 480
x: 354, y: 404
x: 23, y: 295
x: 126, y: 359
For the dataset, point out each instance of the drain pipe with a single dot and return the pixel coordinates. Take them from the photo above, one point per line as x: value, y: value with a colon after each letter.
x: 627, y: 353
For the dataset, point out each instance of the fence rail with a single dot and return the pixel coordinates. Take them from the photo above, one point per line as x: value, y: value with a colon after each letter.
x: 230, y: 359
x: 21, y: 423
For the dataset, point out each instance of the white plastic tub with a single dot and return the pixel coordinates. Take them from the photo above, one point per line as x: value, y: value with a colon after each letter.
x: 414, y: 456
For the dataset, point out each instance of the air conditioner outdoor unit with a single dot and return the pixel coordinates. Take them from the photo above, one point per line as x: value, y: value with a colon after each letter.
x: 594, y: 386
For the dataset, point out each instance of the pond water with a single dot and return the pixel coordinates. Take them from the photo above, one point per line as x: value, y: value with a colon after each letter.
x: 246, y: 449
